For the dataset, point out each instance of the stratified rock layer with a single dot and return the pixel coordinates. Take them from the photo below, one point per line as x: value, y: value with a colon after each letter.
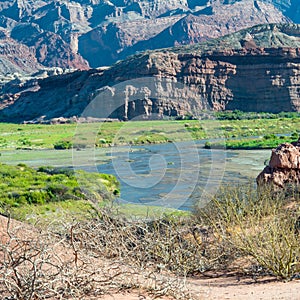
x: 164, y: 84
x: 255, y: 75
x: 284, y: 166
x: 79, y: 33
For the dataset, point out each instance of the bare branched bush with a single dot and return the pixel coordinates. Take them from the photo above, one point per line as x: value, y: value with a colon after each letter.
x: 170, y: 243
x: 81, y: 260
x: 260, y: 225
x: 111, y: 253
x: 28, y: 266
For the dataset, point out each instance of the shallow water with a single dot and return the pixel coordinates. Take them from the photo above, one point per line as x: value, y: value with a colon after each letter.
x: 177, y: 175
x: 171, y: 175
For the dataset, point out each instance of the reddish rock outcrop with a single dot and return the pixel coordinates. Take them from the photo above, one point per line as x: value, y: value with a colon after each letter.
x: 102, y: 31
x: 15, y: 58
x: 284, y: 166
x: 161, y: 83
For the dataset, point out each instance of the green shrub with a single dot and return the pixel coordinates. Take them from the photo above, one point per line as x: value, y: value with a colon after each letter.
x: 269, y: 136
x: 24, y: 142
x: 56, y: 170
x: 102, y: 141
x: 36, y: 197
x: 207, y: 145
x: 61, y: 145
x: 295, y: 136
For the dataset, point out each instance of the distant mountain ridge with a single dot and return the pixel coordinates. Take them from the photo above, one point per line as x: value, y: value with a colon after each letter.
x: 80, y: 34
x: 255, y: 69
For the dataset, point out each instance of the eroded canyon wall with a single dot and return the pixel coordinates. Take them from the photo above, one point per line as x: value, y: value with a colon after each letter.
x: 164, y: 83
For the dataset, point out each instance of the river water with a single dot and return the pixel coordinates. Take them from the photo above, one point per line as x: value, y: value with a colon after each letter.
x: 174, y: 175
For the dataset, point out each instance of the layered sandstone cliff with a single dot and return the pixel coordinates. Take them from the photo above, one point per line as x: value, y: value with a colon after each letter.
x: 257, y: 69
x: 164, y: 83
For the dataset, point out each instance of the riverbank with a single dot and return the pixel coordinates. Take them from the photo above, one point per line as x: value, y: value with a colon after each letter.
x: 269, y: 141
x: 64, y: 136
x: 149, y: 173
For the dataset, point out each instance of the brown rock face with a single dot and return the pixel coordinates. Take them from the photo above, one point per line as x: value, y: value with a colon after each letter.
x: 50, y: 49
x: 261, y: 79
x: 259, y: 76
x: 15, y: 57
x: 284, y: 166
x: 285, y: 156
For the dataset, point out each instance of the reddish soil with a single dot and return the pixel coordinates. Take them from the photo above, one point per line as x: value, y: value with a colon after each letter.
x: 222, y: 287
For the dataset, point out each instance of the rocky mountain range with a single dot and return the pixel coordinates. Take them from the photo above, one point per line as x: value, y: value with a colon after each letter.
x: 79, y: 34
x: 255, y: 69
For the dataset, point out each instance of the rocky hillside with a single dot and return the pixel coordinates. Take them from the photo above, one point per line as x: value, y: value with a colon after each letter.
x: 15, y: 57
x: 256, y: 69
x: 81, y: 33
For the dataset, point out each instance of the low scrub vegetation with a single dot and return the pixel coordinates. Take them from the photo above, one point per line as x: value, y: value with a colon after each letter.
x: 62, y: 145
x: 240, y: 115
x: 260, y: 226
x: 241, y: 230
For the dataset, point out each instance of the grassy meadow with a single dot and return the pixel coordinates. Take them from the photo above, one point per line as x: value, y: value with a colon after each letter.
x: 253, y: 133
x: 48, y: 192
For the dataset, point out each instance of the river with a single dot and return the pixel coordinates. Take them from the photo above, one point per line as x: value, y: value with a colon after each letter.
x: 172, y: 175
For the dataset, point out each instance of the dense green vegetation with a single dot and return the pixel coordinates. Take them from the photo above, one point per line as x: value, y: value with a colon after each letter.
x: 23, y: 189
x: 240, y: 115
x: 228, y: 125
x: 269, y: 141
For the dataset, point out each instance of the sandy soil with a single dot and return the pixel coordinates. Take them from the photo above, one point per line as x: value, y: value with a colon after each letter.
x: 231, y: 288
x: 222, y: 287
x: 245, y: 288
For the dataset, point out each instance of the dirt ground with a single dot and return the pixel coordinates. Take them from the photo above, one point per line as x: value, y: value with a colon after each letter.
x: 245, y: 288
x: 221, y: 287
x: 224, y: 288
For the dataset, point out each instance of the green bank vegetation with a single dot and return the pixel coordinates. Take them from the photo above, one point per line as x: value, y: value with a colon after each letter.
x: 54, y: 193
x: 26, y: 193
x: 228, y: 125
x: 268, y: 141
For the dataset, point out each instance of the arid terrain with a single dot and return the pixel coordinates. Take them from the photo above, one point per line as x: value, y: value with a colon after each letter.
x: 78, y: 34
x: 210, y: 286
